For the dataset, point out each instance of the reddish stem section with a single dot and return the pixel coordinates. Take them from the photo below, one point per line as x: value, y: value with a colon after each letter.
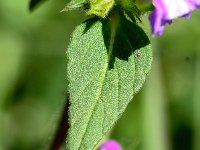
x: 62, y: 129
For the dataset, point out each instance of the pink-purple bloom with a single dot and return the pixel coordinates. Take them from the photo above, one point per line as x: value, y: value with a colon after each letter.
x: 110, y: 145
x: 166, y: 10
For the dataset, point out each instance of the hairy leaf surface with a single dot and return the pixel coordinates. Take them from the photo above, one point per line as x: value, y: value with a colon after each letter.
x: 107, y: 64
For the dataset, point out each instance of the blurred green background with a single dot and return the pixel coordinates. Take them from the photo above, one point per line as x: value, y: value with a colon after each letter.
x: 165, y: 115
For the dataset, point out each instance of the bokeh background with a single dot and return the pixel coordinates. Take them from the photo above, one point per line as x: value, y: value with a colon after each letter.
x: 165, y: 115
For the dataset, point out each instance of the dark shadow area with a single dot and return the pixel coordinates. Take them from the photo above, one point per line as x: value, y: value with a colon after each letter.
x: 129, y: 37
x: 89, y: 23
x: 34, y: 3
x: 182, y: 138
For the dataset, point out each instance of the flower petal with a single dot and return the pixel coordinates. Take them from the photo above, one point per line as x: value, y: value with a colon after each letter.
x: 166, y: 10
x: 110, y: 145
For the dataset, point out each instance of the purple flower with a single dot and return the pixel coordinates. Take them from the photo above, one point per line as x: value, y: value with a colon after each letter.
x: 166, y: 10
x: 110, y: 145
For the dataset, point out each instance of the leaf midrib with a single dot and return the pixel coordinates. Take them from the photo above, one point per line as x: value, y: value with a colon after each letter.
x: 114, y: 25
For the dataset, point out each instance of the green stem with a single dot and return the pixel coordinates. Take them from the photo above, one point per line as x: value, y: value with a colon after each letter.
x: 196, y: 104
x: 155, y: 135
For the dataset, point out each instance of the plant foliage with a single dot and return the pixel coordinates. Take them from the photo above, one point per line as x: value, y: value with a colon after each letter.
x: 108, y: 61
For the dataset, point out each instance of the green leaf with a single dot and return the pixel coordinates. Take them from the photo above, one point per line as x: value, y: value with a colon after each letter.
x: 108, y: 61
x: 130, y: 9
x: 34, y: 3
x: 75, y: 4
x: 145, y: 6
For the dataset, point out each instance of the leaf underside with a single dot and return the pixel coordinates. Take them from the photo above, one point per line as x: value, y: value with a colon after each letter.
x: 108, y: 61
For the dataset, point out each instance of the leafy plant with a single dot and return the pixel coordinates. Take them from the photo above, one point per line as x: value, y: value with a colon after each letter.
x: 108, y: 59
x: 107, y: 64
